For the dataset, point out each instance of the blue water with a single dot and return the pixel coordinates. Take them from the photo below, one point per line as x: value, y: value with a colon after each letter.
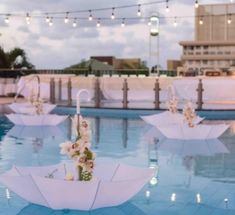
x: 184, y: 175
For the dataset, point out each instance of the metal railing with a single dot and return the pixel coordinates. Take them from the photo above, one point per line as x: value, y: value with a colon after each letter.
x: 125, y: 89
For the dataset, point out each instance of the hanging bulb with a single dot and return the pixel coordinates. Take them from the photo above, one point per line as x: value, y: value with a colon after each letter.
x: 27, y: 18
x: 50, y: 23
x: 149, y: 23
x: 175, y: 23
x: 167, y: 6
x: 123, y: 22
x: 196, y: 4
x: 229, y: 19
x: 201, y: 21
x: 6, y: 20
x: 66, y: 19
x: 113, y: 16
x: 47, y: 19
x: 75, y: 23
x: 90, y: 16
x: 139, y: 11
x: 98, y: 23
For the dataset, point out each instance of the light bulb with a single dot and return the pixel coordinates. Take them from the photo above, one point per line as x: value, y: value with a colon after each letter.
x: 66, y: 19
x: 74, y: 23
x: 50, y: 23
x: 47, y: 19
x: 123, y: 23
x: 90, y: 16
x: 196, y: 4
x: 98, y: 23
x: 201, y: 21
x: 6, y: 20
x: 113, y: 16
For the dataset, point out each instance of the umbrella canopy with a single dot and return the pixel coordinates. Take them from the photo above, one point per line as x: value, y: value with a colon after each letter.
x: 42, y: 132
x: 28, y: 108
x: 36, y: 120
x: 193, y: 147
x: 167, y: 118
x: 112, y: 185
x: 124, y: 209
x: 184, y: 132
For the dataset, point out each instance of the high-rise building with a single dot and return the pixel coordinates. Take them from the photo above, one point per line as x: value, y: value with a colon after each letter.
x: 214, y: 44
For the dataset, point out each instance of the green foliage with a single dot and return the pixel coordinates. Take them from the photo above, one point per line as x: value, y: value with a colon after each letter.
x: 15, y: 58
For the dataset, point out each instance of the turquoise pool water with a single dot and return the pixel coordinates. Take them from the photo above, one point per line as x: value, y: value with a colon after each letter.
x: 191, y: 178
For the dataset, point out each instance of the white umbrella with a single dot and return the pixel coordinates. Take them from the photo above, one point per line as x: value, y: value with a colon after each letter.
x: 193, y: 147
x: 124, y: 209
x: 167, y: 118
x: 112, y: 185
x: 184, y: 132
x: 20, y: 131
x: 28, y: 108
x: 36, y: 120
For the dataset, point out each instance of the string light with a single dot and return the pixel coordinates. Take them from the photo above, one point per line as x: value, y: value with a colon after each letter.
x: 90, y: 16
x: 175, y: 22
x: 229, y: 19
x: 139, y: 11
x: 196, y: 4
x: 75, y: 23
x: 167, y: 6
x: 47, y: 19
x: 6, y: 20
x: 66, y: 19
x: 50, y: 22
x: 113, y: 16
x: 123, y: 22
x: 98, y: 23
x: 201, y: 20
x: 27, y: 18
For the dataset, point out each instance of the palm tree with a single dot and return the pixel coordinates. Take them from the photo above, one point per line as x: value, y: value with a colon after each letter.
x: 14, y: 59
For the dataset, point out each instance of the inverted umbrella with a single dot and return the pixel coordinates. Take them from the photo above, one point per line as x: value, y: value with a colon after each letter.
x: 184, y: 132
x: 167, y: 118
x: 36, y: 120
x: 112, y: 185
x: 124, y: 209
x: 193, y: 147
x: 28, y: 108
x: 20, y: 131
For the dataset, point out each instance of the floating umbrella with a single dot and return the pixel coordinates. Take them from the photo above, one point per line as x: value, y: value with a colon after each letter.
x: 184, y: 132
x: 193, y: 147
x: 112, y: 185
x: 167, y: 118
x: 36, y: 120
x: 42, y: 132
x: 28, y: 108
x: 124, y: 209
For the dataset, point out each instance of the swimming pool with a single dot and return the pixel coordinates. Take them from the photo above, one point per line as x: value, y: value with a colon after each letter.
x: 190, y: 179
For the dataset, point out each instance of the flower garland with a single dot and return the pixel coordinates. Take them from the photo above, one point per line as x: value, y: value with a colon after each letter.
x: 172, y: 105
x: 189, y: 114
x: 80, y: 152
x: 37, y: 103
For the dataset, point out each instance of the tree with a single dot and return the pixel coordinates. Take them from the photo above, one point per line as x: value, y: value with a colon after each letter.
x: 15, y: 58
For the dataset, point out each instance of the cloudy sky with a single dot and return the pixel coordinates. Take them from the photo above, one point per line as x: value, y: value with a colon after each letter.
x: 62, y: 45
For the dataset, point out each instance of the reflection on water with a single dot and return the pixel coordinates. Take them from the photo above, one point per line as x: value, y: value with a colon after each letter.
x: 190, y: 175
x: 125, y: 209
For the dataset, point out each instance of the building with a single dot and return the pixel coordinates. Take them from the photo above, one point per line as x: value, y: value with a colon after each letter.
x: 119, y: 63
x: 172, y: 65
x: 214, y: 46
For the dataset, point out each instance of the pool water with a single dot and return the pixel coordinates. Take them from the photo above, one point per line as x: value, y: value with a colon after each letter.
x: 191, y: 178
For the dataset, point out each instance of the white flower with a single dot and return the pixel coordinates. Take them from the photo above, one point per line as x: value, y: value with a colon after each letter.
x: 66, y: 148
